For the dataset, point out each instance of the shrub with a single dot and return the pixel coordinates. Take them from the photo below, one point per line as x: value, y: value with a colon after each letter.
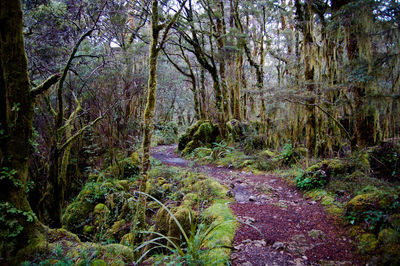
x: 311, y: 180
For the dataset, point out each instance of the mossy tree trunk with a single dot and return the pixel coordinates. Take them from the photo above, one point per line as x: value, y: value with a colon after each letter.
x: 236, y: 105
x: 16, y: 120
x: 16, y: 117
x: 306, y: 22
x: 155, y: 46
x: 220, y: 33
x: 204, y: 114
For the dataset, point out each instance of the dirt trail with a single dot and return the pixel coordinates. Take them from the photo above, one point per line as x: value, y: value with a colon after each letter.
x: 278, y: 226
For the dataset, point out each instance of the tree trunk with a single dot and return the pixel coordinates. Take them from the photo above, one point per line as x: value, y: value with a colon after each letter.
x: 220, y: 35
x: 16, y: 125
x: 151, y: 90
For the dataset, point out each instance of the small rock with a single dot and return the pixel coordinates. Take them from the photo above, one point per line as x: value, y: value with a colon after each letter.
x: 252, y: 198
x: 246, y: 241
x: 313, y: 202
x: 304, y: 257
x: 259, y: 243
x: 238, y: 247
x: 278, y: 246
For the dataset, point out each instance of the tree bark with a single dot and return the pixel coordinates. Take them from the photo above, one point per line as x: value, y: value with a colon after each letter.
x: 16, y: 122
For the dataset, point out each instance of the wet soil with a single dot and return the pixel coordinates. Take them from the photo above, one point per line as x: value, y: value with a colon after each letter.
x: 277, y: 225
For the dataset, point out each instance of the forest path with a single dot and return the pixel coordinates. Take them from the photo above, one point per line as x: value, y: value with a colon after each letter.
x: 277, y: 225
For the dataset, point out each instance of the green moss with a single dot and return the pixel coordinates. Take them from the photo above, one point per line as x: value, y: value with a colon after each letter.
x: 184, y: 139
x: 368, y: 243
x: 117, y: 251
x: 389, y: 236
x: 236, y: 129
x: 100, y: 209
x: 190, y: 199
x: 200, y: 134
x: 124, y: 184
x: 390, y: 254
x: 36, y: 245
x: 98, y: 262
x: 161, y: 221
x: 161, y: 181
x: 76, y: 214
x: 153, y: 205
x: 189, y: 147
x: 356, y: 231
x: 185, y: 217
x: 88, y: 229
x: 221, y: 216
x: 335, y: 210
x: 135, y: 159
x: 119, y: 228
x: 118, y: 263
x: 267, y: 154
x: 127, y: 239
x: 361, y: 203
x: 167, y: 187
x: 394, y: 221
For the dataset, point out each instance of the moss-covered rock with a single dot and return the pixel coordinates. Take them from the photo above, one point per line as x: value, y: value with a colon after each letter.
x: 389, y: 236
x: 100, y: 214
x: 219, y: 216
x: 190, y: 147
x: 185, y: 138
x: 361, y: 203
x: 76, y: 214
x: 185, y: 217
x: 332, y: 167
x: 314, y: 233
x: 368, y: 243
x: 200, y: 134
x: 161, y: 221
